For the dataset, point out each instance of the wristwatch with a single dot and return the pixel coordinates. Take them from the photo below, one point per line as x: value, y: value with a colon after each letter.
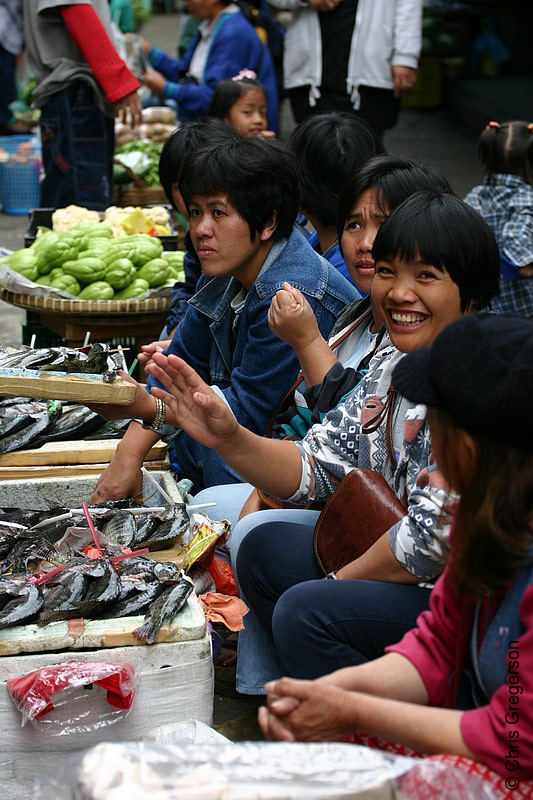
x: 331, y: 576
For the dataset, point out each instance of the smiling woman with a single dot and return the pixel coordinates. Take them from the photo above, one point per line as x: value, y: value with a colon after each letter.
x: 423, y: 280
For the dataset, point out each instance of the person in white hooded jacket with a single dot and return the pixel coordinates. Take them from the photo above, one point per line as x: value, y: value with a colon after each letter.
x: 351, y: 55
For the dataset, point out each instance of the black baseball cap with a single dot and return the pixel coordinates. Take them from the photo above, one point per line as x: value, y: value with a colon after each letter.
x: 479, y: 369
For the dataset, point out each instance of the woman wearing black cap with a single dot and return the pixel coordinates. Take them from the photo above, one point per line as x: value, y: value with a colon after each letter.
x: 461, y: 682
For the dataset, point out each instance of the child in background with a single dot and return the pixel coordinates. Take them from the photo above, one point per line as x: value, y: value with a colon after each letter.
x: 505, y: 200
x: 329, y: 148
x: 242, y: 104
x: 185, y: 139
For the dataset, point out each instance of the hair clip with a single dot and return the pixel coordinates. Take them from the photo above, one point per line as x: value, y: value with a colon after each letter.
x: 245, y: 73
x: 492, y: 124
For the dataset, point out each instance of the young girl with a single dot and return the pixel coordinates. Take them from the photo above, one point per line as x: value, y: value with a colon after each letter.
x: 505, y: 200
x: 461, y: 682
x: 242, y: 104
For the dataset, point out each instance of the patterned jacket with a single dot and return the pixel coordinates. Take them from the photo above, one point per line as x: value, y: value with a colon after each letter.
x: 506, y: 204
x: 330, y: 450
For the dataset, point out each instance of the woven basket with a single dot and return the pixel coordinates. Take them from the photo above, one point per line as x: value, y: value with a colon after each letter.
x: 138, y: 194
x: 75, y: 306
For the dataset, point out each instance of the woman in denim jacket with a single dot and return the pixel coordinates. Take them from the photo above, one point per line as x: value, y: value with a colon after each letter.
x: 242, y: 198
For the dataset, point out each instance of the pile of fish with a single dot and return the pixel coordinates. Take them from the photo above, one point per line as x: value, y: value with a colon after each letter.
x: 31, y: 423
x: 95, y: 359
x: 51, y: 570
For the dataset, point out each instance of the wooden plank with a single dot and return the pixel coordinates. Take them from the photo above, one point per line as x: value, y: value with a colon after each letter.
x: 57, y: 386
x: 85, y: 451
x: 79, y: 634
x: 67, y: 470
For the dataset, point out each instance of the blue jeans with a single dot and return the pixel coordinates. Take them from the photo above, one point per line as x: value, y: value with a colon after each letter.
x: 316, y: 626
x: 202, y: 465
x: 257, y: 662
x: 77, y: 142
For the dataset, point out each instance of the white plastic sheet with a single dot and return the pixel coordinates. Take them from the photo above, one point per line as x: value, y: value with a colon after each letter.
x: 253, y: 771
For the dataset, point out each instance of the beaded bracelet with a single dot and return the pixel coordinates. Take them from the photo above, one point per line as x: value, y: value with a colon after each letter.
x: 159, y: 419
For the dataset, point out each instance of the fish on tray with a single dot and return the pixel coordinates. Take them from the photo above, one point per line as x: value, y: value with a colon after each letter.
x: 140, y: 595
x: 95, y: 359
x: 104, y: 589
x: 163, y: 610
x: 62, y: 597
x: 19, y: 601
x: 169, y: 532
x: 36, y: 424
x: 121, y: 528
x: 76, y: 422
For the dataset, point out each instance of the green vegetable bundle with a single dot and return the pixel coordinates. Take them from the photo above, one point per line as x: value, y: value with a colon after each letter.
x: 150, y: 164
x: 87, y: 262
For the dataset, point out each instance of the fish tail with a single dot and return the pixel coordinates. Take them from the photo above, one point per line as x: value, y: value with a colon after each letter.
x: 147, y: 633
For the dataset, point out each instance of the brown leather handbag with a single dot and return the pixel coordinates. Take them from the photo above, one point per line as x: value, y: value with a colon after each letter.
x: 361, y: 509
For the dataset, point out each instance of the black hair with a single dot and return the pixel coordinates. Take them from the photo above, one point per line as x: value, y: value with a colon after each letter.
x: 258, y: 176
x: 393, y: 179
x: 447, y: 233
x: 227, y: 93
x: 188, y: 137
x: 328, y: 147
x: 507, y: 148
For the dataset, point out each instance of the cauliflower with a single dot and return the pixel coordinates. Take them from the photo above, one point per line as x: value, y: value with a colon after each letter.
x: 124, y: 221
x: 63, y: 219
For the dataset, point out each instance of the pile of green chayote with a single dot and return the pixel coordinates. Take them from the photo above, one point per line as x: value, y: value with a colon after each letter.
x: 88, y: 262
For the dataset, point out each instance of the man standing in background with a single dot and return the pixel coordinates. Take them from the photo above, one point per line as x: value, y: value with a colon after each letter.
x: 10, y: 47
x: 351, y: 55
x: 82, y: 83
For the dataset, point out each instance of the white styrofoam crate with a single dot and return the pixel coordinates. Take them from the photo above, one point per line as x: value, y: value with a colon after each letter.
x: 175, y: 683
x: 43, y: 493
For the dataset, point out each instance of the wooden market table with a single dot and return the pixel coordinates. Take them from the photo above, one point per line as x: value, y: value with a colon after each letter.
x: 138, y: 321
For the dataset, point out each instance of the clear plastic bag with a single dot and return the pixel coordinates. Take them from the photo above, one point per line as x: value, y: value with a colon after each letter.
x: 75, y: 696
x: 253, y: 771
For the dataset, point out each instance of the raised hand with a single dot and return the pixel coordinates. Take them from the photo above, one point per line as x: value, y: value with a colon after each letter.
x: 291, y: 318
x: 196, y: 408
x: 147, y: 350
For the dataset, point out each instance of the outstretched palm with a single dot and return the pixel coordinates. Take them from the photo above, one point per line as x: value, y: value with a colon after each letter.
x: 197, y: 409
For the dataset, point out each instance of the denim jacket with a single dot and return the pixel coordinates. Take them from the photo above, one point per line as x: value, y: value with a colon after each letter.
x: 256, y: 373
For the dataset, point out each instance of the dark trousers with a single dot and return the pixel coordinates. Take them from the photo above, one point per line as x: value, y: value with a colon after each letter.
x: 319, y: 626
x: 78, y: 142
x: 379, y: 108
x: 7, y: 84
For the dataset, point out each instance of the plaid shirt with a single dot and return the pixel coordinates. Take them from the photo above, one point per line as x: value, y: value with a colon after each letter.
x: 506, y: 204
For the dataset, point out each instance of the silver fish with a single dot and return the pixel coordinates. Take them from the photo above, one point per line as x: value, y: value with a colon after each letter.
x: 25, y: 602
x: 163, y: 610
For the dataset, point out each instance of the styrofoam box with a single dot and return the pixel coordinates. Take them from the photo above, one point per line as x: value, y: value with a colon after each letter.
x: 175, y: 680
x: 175, y: 683
x: 43, y: 493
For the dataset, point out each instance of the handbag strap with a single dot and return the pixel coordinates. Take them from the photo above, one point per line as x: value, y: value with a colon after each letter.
x: 300, y: 377
x: 385, y: 413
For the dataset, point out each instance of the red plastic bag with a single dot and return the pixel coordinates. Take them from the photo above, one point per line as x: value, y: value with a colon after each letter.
x: 222, y: 574
x: 33, y: 692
